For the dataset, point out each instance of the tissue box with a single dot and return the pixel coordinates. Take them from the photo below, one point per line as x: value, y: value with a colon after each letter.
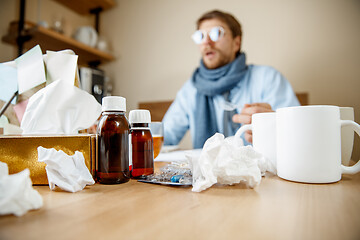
x: 20, y: 152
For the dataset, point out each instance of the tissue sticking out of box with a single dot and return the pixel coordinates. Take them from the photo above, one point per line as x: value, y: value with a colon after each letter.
x: 67, y: 172
x: 60, y: 108
x: 30, y: 69
x: 226, y: 161
x: 61, y: 65
x: 26, y: 74
x: 17, y: 195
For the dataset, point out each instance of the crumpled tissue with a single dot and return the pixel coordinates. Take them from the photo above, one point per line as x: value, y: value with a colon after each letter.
x: 67, y: 172
x: 227, y: 161
x: 17, y: 196
x: 60, y: 108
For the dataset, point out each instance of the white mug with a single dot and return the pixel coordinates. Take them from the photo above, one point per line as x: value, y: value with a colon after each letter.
x: 309, y: 144
x: 263, y: 126
x: 347, y: 135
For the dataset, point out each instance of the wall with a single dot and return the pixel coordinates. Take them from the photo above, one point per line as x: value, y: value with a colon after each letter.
x: 315, y: 44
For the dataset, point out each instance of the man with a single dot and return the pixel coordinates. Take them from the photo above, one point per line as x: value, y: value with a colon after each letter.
x: 223, y: 76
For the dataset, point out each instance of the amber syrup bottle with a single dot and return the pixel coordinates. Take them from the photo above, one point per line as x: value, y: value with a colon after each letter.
x: 142, y: 149
x: 113, y: 142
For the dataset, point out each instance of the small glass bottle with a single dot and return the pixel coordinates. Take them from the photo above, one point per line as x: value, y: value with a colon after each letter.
x: 113, y: 142
x: 142, y: 153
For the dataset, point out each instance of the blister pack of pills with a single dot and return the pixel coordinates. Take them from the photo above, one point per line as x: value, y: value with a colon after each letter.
x: 175, y: 174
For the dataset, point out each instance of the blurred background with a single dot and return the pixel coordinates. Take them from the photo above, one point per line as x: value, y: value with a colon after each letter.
x: 315, y: 44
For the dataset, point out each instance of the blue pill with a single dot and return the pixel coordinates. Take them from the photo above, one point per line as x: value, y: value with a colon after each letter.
x: 176, y: 178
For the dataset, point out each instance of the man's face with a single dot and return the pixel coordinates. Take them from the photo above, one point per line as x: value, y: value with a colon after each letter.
x: 223, y: 51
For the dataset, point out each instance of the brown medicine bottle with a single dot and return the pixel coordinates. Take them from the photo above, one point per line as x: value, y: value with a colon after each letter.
x: 113, y: 142
x: 142, y: 153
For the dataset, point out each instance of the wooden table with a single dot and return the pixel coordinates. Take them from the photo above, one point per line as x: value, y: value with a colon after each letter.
x: 277, y: 209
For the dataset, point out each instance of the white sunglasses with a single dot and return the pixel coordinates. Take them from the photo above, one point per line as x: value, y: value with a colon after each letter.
x: 215, y: 34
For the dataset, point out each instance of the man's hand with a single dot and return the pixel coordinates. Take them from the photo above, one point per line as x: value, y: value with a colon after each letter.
x: 245, y: 116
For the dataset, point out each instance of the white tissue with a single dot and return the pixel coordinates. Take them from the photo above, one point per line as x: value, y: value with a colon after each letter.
x: 17, y: 195
x: 61, y: 65
x: 30, y: 69
x: 4, y: 170
x: 226, y: 161
x: 67, y: 172
x: 60, y: 108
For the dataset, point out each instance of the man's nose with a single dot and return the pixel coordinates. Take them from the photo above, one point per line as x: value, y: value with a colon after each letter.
x: 207, y: 40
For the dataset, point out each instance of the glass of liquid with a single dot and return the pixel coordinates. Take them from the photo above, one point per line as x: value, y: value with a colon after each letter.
x: 157, y: 132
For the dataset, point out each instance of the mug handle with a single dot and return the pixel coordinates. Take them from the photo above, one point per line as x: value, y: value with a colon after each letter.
x: 243, y: 129
x: 356, y: 127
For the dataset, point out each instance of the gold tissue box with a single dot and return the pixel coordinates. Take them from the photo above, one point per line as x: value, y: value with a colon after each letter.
x: 20, y: 152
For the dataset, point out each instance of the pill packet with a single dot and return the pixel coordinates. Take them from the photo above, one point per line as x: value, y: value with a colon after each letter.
x: 175, y: 174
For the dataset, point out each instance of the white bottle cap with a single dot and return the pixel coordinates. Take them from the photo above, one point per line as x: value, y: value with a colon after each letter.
x: 139, y: 116
x: 114, y: 103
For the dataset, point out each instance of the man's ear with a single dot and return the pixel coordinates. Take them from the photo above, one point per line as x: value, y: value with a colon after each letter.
x: 237, y: 44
